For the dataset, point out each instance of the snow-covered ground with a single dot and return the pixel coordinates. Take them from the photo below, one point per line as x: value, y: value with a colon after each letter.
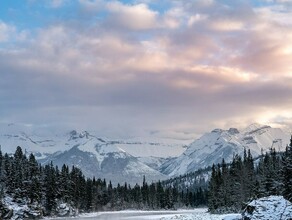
x: 195, y: 214
x: 271, y: 207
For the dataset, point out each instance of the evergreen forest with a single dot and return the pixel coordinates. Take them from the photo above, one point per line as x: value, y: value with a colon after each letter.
x: 232, y: 185
x: 45, y: 187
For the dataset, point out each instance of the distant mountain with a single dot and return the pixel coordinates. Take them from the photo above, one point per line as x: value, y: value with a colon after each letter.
x: 117, y: 160
x: 42, y: 141
x: 218, y: 144
x: 102, y: 159
x: 129, y: 159
x: 46, y: 140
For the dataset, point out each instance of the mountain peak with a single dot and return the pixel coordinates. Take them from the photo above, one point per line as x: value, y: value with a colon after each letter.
x: 233, y: 131
x: 76, y: 135
x: 217, y: 130
x: 212, y: 147
x: 255, y: 127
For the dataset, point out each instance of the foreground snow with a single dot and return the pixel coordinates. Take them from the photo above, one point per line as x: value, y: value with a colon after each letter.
x: 202, y: 214
x: 271, y: 207
x: 16, y: 209
x: 195, y: 214
x: 10, y: 209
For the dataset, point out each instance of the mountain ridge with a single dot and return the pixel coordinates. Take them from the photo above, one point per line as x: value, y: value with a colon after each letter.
x: 213, y: 146
x: 131, y: 159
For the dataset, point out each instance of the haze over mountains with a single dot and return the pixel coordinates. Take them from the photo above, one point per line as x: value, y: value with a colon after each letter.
x: 128, y: 160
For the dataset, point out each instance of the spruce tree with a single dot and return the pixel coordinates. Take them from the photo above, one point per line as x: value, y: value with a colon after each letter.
x: 34, y: 187
x: 213, y: 191
x: 287, y: 172
x: 50, y: 188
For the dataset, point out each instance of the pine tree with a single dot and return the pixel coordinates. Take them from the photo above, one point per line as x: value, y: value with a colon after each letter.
x: 213, y: 191
x: 18, y: 172
x: 261, y: 174
x: 34, y: 186
x: 152, y: 197
x: 50, y: 188
x: 250, y: 175
x: 89, y: 199
x: 2, y: 175
x: 160, y: 198
x: 225, y: 185
x: 64, y: 184
x: 145, y: 193
x: 287, y: 172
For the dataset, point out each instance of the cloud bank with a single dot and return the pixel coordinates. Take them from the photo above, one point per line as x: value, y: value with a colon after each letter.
x: 131, y: 67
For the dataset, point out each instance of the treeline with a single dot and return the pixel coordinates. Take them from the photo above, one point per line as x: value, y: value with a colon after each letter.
x: 192, y: 181
x: 193, y: 187
x: 231, y: 186
x: 46, y: 187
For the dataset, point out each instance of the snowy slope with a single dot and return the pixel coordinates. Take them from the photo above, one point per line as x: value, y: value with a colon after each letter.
x: 218, y: 144
x: 130, y: 159
x: 99, y: 157
x: 103, y: 159
x: 42, y: 141
x: 153, y: 147
x: 271, y: 207
x: 154, y: 162
x: 12, y: 209
x: 202, y: 214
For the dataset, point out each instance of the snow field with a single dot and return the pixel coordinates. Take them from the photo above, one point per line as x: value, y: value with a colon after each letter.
x: 202, y: 214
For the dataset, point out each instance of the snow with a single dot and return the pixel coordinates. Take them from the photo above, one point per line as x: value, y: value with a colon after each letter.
x: 93, y: 154
x: 193, y: 214
x: 20, y: 209
x: 202, y: 214
x: 253, y: 127
x: 271, y: 207
x: 154, y: 154
x: 153, y: 147
x: 65, y: 209
x: 45, y: 140
x: 232, y: 217
x: 217, y: 144
x: 100, y: 149
x: 134, y: 168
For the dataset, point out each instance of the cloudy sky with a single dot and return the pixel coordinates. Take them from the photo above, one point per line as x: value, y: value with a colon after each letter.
x: 137, y: 67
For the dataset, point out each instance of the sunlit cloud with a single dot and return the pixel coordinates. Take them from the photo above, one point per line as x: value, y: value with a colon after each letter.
x: 6, y: 31
x: 113, y: 63
x: 196, y: 18
x: 134, y: 17
x: 226, y: 25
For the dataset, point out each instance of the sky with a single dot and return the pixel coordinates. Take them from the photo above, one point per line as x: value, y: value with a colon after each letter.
x: 170, y: 68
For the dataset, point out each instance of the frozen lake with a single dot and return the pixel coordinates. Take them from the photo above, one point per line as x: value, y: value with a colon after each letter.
x: 196, y: 214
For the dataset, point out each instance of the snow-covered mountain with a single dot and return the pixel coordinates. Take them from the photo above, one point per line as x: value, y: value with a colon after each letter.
x: 42, y: 141
x: 103, y: 159
x: 129, y: 159
x: 118, y: 160
x: 45, y: 140
x: 218, y: 144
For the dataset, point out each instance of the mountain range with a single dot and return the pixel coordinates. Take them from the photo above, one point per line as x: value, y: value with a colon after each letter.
x: 129, y: 160
x: 213, y: 146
